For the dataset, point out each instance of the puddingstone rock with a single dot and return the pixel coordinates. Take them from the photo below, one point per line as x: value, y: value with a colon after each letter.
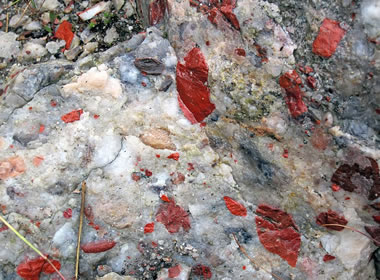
x: 231, y: 140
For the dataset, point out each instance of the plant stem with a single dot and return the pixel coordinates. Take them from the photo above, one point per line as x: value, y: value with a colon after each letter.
x: 82, y: 205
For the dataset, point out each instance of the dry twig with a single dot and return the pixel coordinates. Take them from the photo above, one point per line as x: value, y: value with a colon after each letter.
x: 80, y: 229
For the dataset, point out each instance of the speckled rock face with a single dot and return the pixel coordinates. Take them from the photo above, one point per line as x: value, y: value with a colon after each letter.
x: 233, y: 140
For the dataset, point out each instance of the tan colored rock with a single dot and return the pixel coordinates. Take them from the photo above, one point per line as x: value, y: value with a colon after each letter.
x: 11, y: 167
x: 115, y: 276
x: 157, y: 138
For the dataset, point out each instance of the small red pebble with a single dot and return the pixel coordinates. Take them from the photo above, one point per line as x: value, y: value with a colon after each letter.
x: 64, y: 33
x: 11, y: 146
x: 328, y: 258
x: 158, y: 156
x: 53, y: 103
x: 154, y: 244
x: 376, y: 219
x: 135, y: 176
x: 98, y: 246
x: 73, y: 116
x: 328, y: 99
x: 244, y: 267
x: 30, y: 108
x: 143, y: 84
x: 285, y: 153
x: 191, y: 166
x: 4, y: 227
x: 335, y: 187
x: 174, y: 156
x: 329, y: 36
x: 149, y: 228
x: 207, y: 43
x: 240, y: 52
x: 96, y: 117
x: 148, y: 173
x: 175, y: 271
x: 235, y: 207
x: 347, y: 198
x: 312, y: 82
x: 165, y: 198
x: 317, y: 122
x: 68, y: 213
x: 202, y: 124
x: 42, y: 128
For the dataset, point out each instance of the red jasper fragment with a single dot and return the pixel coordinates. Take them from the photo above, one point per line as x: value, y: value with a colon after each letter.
x: 173, y: 217
x: 226, y: 9
x: 174, y: 156
x: 148, y: 173
x: 41, y: 129
x: 174, y: 271
x: 136, y: 176
x: 202, y: 270
x: 68, y: 213
x: 235, y: 207
x: 240, y: 52
x: 30, y: 269
x: 311, y: 82
x: 157, y: 10
x: 64, y: 33
x: 73, y: 116
x: 3, y: 228
x: 98, y: 246
x: 329, y: 36
x: 178, y: 178
x: 291, y: 82
x: 335, y: 187
x: 279, y: 235
x: 149, y: 228
x: 193, y: 93
x: 347, y: 175
x: 331, y: 217
x: 165, y: 198
x: 376, y: 219
x: 285, y: 154
x: 37, y: 160
x: 327, y: 258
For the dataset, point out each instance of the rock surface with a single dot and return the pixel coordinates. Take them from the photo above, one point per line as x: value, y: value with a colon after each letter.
x: 228, y: 132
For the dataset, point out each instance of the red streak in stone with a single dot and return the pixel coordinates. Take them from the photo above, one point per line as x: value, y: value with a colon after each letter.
x: 64, y: 33
x: 98, y: 246
x: 157, y: 10
x: 149, y: 228
x: 278, y: 236
x: 68, y: 213
x: 191, y: 85
x: 291, y: 82
x: 174, y: 271
x: 331, y: 217
x: 173, y: 217
x: 235, y: 207
x: 73, y: 116
x: 202, y: 270
x: 329, y: 36
x: 327, y: 258
x: 174, y: 156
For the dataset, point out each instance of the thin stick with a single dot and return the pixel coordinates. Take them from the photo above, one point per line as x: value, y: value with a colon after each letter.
x: 23, y: 13
x: 242, y: 249
x: 6, y: 26
x: 353, y: 229
x: 80, y: 228
x: 30, y: 245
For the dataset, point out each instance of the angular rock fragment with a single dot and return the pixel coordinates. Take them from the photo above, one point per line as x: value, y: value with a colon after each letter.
x: 149, y: 65
x: 173, y: 217
x: 291, y: 82
x: 157, y: 138
x: 11, y: 167
x: 331, y: 217
x: 280, y: 234
x: 165, y: 85
x: 235, y: 207
x: 64, y: 33
x: 98, y: 246
x: 193, y: 93
x: 329, y: 36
